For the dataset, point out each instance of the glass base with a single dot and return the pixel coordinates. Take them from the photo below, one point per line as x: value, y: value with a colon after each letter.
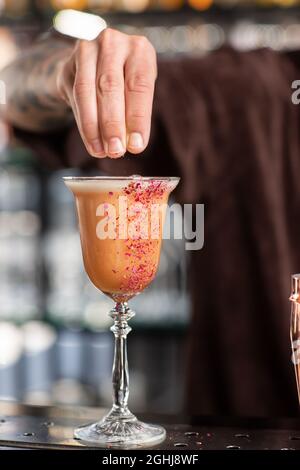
x: 120, y: 433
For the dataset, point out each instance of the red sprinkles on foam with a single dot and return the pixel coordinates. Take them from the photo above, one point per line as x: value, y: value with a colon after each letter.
x: 142, y: 254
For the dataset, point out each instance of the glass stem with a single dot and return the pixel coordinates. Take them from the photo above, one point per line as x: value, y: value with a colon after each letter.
x: 121, y: 314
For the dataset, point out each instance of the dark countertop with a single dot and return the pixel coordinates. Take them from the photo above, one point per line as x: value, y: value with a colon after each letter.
x: 36, y: 427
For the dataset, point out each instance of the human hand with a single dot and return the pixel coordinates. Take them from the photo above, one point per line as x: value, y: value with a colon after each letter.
x: 109, y: 84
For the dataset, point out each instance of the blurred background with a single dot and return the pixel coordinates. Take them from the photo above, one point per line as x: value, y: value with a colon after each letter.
x: 55, y: 344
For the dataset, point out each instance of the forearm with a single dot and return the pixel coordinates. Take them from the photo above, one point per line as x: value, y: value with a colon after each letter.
x: 32, y: 99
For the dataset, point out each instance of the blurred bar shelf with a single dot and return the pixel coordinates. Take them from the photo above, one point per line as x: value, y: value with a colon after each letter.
x: 167, y: 17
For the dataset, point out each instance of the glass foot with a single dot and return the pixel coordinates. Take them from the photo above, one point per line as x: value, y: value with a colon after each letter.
x: 120, y: 433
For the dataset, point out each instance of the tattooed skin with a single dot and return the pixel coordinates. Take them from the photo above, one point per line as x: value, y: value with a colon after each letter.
x: 32, y: 98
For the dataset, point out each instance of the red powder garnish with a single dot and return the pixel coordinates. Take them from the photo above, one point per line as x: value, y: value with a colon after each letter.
x: 142, y: 254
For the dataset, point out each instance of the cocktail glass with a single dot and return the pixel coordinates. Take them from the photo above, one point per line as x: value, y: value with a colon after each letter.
x: 121, y: 222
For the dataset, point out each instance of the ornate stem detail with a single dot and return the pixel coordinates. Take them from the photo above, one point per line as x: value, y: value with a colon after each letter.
x: 120, y: 429
x: 121, y: 314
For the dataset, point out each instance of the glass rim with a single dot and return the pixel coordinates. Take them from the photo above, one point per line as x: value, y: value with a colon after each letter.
x: 120, y: 178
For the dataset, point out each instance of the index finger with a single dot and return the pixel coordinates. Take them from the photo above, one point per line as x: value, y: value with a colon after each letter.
x: 140, y: 75
x: 85, y: 97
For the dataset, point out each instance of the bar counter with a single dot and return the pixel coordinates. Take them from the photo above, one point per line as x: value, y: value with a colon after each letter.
x: 49, y: 427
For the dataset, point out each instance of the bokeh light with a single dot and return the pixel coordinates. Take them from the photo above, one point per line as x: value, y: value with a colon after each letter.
x: 78, y: 24
x: 75, y: 4
x: 8, y: 46
x: 135, y: 6
x: 200, y: 4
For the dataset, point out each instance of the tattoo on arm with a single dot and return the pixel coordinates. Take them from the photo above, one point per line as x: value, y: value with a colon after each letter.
x: 30, y: 81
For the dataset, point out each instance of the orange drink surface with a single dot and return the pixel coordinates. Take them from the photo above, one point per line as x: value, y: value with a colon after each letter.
x: 121, y: 224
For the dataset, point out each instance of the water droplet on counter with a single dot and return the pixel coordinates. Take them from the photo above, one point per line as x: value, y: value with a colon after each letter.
x: 232, y: 447
x: 287, y: 448
x: 180, y: 444
x: 242, y: 436
x: 48, y: 424
x: 28, y: 434
x: 191, y: 433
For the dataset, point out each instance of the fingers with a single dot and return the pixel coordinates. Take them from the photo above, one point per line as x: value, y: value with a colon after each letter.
x: 110, y: 91
x: 85, y: 97
x: 140, y: 75
x: 109, y: 83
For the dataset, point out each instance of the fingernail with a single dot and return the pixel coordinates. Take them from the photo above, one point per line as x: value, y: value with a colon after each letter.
x: 115, y: 146
x: 97, y: 146
x: 135, y: 141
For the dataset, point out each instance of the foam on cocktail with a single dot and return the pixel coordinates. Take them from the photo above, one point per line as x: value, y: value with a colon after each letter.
x: 95, y: 184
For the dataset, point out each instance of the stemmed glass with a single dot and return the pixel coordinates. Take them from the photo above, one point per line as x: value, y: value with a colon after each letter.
x: 295, y: 327
x: 121, y: 222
